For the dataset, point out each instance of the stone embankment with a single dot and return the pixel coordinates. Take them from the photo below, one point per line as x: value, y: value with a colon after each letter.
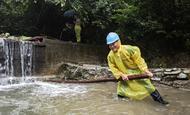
x: 175, y: 77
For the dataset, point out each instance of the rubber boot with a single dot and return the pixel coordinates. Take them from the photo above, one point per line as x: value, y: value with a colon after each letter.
x: 120, y: 96
x: 157, y: 97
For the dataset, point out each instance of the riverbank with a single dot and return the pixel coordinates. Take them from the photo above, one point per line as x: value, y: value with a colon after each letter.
x: 174, y: 77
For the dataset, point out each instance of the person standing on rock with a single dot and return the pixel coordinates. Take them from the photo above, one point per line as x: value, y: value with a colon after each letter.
x: 126, y: 60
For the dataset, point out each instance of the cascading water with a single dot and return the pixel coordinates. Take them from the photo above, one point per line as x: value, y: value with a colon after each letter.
x: 26, y: 58
x: 8, y: 48
x: 15, y: 55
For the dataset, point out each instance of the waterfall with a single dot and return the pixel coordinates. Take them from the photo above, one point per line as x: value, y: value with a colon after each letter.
x: 26, y: 49
x: 8, y: 48
x: 15, y: 60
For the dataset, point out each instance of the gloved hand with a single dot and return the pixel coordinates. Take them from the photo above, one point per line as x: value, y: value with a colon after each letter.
x: 150, y: 74
x: 124, y: 77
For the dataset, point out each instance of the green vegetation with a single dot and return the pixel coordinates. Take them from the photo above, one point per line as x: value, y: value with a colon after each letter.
x: 159, y: 25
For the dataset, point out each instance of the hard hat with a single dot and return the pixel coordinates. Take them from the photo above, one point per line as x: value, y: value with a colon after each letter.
x: 112, y: 37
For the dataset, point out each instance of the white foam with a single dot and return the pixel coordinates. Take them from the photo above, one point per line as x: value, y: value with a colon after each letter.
x: 59, y: 89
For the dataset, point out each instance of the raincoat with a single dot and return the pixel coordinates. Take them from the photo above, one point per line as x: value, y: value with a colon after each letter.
x: 78, y: 32
x: 128, y: 60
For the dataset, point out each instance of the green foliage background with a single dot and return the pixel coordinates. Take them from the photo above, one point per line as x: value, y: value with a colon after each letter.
x: 158, y: 25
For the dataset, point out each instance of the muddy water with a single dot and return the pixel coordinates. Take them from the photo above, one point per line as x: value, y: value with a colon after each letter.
x: 40, y: 98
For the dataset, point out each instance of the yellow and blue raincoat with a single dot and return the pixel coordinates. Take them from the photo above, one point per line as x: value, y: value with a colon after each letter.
x: 128, y: 60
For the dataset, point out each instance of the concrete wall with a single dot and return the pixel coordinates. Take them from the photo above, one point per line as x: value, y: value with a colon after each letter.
x: 56, y: 52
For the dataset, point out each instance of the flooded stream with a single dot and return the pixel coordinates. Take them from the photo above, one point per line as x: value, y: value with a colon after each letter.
x: 41, y: 98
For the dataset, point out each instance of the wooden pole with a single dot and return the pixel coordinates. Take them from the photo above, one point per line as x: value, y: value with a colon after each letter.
x: 131, y: 77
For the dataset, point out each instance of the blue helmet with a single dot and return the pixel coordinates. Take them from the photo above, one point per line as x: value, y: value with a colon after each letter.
x: 112, y: 37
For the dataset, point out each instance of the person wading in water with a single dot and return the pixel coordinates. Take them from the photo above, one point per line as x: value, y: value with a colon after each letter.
x: 126, y: 60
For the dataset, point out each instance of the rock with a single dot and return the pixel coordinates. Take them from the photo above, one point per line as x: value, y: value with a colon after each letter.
x: 158, y: 70
x: 86, y: 72
x: 181, y: 84
x: 172, y: 72
x: 168, y: 70
x: 169, y: 78
x: 159, y: 74
x: 169, y: 83
x: 156, y: 78
x: 186, y: 71
x: 88, y: 66
x: 182, y: 76
x: 174, y: 69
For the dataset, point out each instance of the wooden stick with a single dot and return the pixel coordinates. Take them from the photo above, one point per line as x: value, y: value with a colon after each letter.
x: 131, y: 77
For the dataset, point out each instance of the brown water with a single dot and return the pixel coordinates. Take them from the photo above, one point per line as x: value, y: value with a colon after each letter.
x: 40, y: 98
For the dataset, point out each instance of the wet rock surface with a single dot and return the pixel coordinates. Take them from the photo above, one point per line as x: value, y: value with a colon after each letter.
x: 175, y: 77
x: 82, y: 72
